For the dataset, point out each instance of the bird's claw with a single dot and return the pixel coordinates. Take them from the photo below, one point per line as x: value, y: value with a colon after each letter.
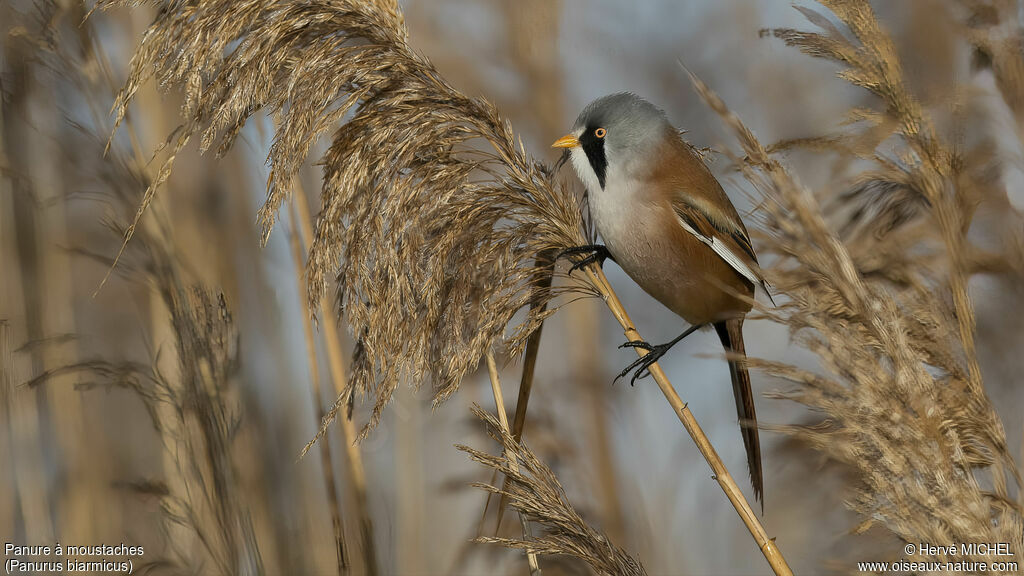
x: 637, y: 344
x: 595, y: 253
x: 641, y: 366
x: 654, y: 353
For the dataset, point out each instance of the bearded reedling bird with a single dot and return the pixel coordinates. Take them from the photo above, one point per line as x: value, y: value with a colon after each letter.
x: 667, y: 222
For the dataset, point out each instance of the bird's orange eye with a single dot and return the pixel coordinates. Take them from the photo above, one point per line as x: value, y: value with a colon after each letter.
x: 600, y: 132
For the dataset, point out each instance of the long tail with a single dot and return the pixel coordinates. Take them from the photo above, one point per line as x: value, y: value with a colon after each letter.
x: 731, y: 334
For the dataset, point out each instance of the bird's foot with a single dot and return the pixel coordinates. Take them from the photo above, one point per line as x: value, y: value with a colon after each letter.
x: 654, y: 353
x: 594, y: 253
x: 641, y: 366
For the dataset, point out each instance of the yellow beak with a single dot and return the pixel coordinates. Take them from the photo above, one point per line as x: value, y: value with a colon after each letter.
x: 567, y: 141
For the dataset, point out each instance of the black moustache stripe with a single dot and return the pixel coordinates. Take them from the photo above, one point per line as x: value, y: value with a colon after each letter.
x: 594, y: 148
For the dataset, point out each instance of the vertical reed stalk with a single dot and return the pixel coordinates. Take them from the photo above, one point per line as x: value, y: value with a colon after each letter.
x: 327, y: 463
x: 409, y: 550
x: 336, y: 364
x: 180, y: 537
x: 76, y: 504
x: 732, y: 491
x: 8, y: 504
x: 533, y: 33
x: 526, y: 379
x: 28, y: 407
x: 513, y: 462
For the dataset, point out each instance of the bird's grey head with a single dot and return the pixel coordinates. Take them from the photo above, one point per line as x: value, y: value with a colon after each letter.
x: 614, y: 132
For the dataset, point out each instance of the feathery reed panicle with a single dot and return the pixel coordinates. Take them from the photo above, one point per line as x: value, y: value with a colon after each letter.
x: 201, y: 433
x: 924, y: 164
x: 195, y: 409
x: 207, y: 345
x: 432, y: 213
x: 534, y: 491
x: 904, y: 403
x: 196, y: 412
x: 433, y: 216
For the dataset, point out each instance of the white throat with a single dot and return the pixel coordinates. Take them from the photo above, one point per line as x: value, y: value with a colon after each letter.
x: 584, y: 170
x: 611, y: 208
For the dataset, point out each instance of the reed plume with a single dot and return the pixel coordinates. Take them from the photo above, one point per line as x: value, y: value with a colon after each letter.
x: 432, y: 213
x: 205, y: 418
x: 534, y: 491
x: 434, y: 220
x: 902, y: 396
x: 438, y: 231
x: 193, y: 406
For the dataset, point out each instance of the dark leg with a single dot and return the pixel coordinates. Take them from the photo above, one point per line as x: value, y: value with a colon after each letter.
x: 595, y: 253
x: 654, y: 352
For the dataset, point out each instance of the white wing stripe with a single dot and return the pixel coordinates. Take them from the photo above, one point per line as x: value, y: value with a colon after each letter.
x: 725, y: 253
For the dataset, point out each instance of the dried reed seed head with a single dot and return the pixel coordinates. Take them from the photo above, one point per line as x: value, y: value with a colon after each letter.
x: 432, y: 213
x: 533, y: 490
x: 904, y: 404
x: 196, y: 411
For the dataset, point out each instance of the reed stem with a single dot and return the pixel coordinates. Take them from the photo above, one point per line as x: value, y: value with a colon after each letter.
x: 336, y: 365
x: 314, y: 375
x: 725, y: 480
x: 513, y: 461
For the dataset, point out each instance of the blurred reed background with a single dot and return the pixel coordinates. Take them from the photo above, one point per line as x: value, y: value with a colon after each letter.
x: 169, y: 408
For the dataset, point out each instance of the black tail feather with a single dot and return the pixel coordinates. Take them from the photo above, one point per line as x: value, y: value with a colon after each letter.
x: 731, y: 334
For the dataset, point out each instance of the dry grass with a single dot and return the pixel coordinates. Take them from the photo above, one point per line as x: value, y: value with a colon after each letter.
x: 337, y: 524
x: 434, y: 222
x: 534, y: 491
x: 195, y: 406
x: 431, y: 214
x: 302, y: 226
x: 901, y: 390
x: 513, y: 460
x: 195, y: 412
x: 436, y: 227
